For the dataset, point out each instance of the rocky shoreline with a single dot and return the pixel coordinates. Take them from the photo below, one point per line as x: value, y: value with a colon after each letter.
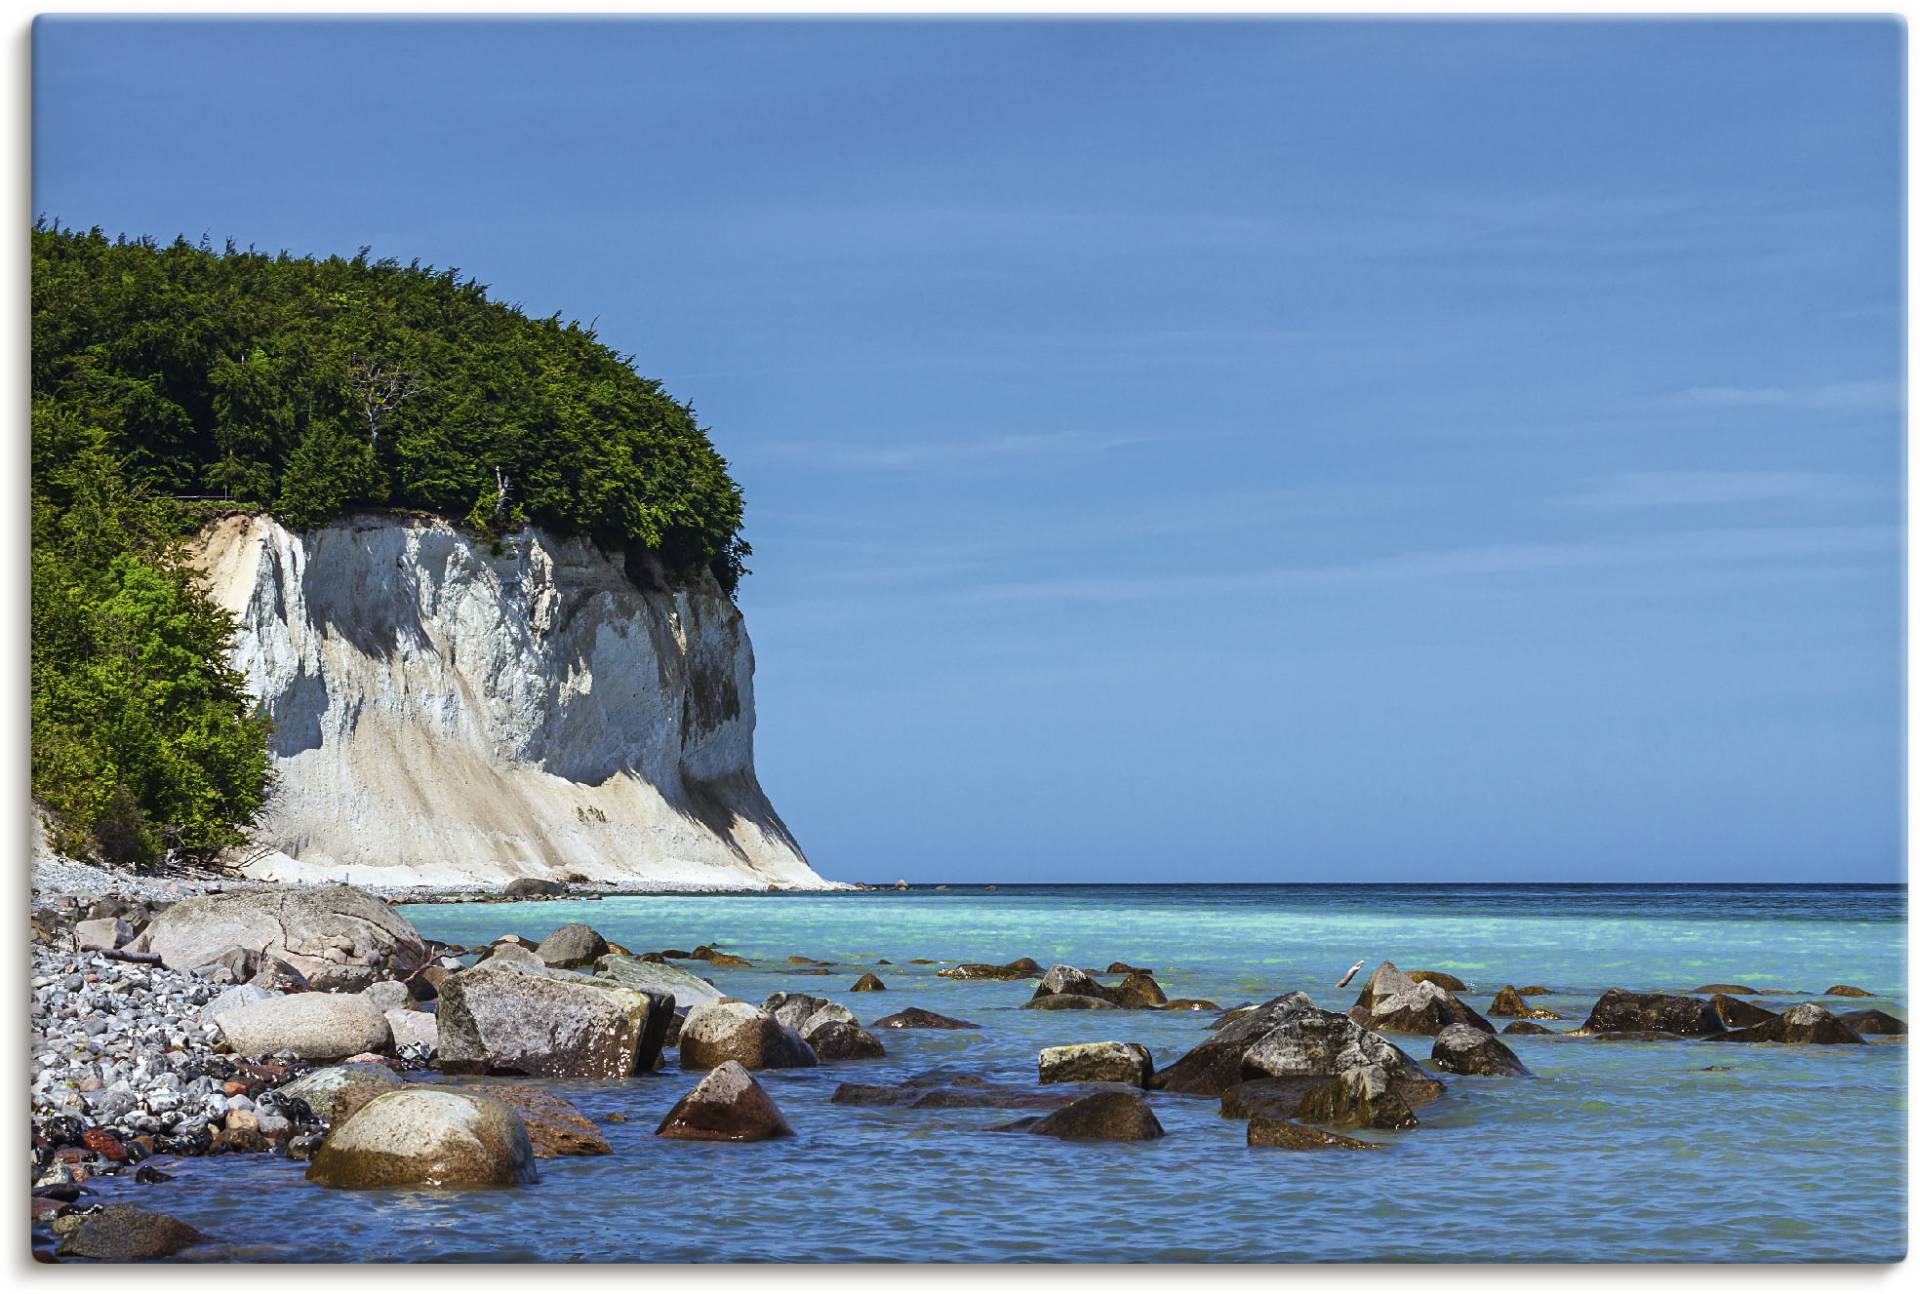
x: 190, y: 1017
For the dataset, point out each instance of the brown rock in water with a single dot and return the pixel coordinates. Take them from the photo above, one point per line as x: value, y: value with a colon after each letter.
x: 1526, y: 1027
x: 1846, y: 990
x: 554, y: 1127
x: 727, y: 1105
x: 1865, y: 1022
x: 1122, y: 968
x: 1022, y: 968
x: 1357, y: 1098
x: 797, y: 960
x: 1535, y: 990
x: 834, y: 1034
x: 1097, y: 1062
x: 120, y: 1233
x: 1809, y: 1022
x: 1741, y: 989
x: 716, y: 1032
x: 1462, y: 1049
x: 1104, y: 1116
x: 1139, y: 991
x: 1214, y: 1066
x: 1426, y: 1008
x: 1274, y: 1098
x: 1068, y: 1002
x: 1192, y: 1004
x: 1263, y: 1130
x: 1738, y: 1014
x: 921, y: 961
x: 916, y: 1018
x: 1451, y: 983
x: 1509, y: 1003
x: 727, y: 959
x: 426, y: 1137
x: 1619, y: 1011
x: 868, y: 983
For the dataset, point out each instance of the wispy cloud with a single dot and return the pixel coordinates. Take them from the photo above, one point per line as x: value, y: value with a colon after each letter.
x: 1816, y: 397
x: 907, y: 455
x: 1713, y: 489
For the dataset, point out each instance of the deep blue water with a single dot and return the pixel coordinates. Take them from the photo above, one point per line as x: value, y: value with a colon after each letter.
x: 1614, y: 1151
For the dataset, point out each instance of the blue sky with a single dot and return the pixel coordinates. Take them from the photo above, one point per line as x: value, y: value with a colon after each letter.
x: 1220, y: 451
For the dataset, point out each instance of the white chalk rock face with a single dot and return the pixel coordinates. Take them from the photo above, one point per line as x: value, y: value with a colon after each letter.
x: 446, y: 715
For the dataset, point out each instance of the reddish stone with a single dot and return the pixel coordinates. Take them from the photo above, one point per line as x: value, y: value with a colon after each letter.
x: 105, y: 1144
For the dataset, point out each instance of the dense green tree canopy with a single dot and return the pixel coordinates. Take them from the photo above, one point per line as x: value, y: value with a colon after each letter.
x: 168, y: 376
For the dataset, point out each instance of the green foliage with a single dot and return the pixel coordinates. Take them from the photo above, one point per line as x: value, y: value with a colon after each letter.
x: 313, y: 387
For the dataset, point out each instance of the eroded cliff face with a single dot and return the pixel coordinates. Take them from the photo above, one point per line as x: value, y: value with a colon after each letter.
x: 444, y: 716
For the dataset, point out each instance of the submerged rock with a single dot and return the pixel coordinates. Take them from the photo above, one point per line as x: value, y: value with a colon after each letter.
x: 1362, y: 1097
x: 1274, y: 1098
x: 1737, y: 989
x: 1104, y: 1116
x: 1508, y: 1003
x: 1263, y: 1130
x: 1846, y: 990
x: 554, y: 1126
x: 916, y: 1018
x: 1023, y: 968
x: 717, y: 1032
x: 1462, y: 1049
x: 120, y: 1233
x: 1526, y: 1027
x: 726, y: 1105
x: 1809, y: 1022
x: 868, y: 983
x: 1068, y: 1002
x: 426, y: 1137
x: 498, y: 1020
x: 1097, y: 1062
x: 1619, y: 1011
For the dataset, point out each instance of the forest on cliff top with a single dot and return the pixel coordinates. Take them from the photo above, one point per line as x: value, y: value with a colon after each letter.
x: 172, y: 380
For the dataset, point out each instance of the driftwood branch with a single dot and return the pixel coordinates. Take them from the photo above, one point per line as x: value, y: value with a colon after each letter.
x: 122, y: 955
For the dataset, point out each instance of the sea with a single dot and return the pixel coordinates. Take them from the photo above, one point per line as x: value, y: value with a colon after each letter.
x: 1612, y: 1152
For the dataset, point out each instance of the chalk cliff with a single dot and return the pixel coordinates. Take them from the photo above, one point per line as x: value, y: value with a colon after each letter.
x: 447, y: 715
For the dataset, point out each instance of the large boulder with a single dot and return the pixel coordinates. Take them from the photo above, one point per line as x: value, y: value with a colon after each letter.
x: 717, y: 1032
x: 917, y: 1018
x: 1387, y: 980
x: 1462, y: 1049
x: 554, y: 1127
x: 120, y: 1233
x: 726, y: 1105
x: 687, y: 989
x: 534, y: 887
x: 330, y: 933
x: 571, y: 947
x: 501, y: 1020
x: 101, y: 934
x: 1214, y: 1066
x: 834, y: 1034
x: 1426, y: 1008
x: 1740, y: 1015
x: 1619, y: 1011
x: 1304, y: 1041
x: 1138, y: 991
x: 337, y: 1091
x: 417, y: 1029
x: 1809, y: 1022
x: 1104, y: 1116
x: 313, y: 1026
x: 1864, y: 1022
x: 426, y: 1137
x: 1097, y: 1062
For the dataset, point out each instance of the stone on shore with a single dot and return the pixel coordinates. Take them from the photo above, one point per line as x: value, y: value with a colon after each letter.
x: 534, y: 887
x: 121, y: 1233
x: 416, y: 1029
x: 313, y: 1026
x: 329, y: 1092
x: 687, y: 989
x: 1462, y: 1049
x: 1809, y: 1022
x: 329, y: 933
x: 499, y: 1020
x: 101, y: 934
x: 1104, y: 1116
x: 1263, y: 1130
x: 726, y: 1105
x: 917, y: 1018
x: 1619, y: 1011
x: 1097, y: 1062
x: 717, y: 1032
x: 554, y: 1126
x: 426, y: 1137
x: 1740, y: 1015
x: 572, y: 947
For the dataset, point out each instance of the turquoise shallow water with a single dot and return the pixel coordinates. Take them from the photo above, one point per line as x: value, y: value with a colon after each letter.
x: 1615, y: 1151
